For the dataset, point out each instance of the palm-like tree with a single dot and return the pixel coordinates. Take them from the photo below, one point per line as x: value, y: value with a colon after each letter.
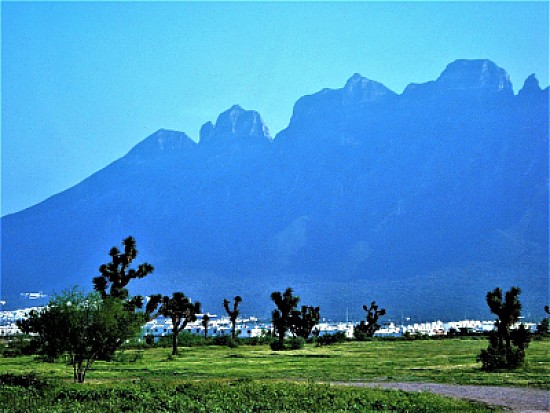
x: 233, y: 314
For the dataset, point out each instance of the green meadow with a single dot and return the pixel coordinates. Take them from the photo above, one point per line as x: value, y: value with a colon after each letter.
x: 254, y: 378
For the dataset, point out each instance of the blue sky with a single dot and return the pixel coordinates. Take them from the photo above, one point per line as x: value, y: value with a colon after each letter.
x: 84, y: 82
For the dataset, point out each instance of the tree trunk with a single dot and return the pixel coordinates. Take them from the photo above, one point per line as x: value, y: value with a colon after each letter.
x: 175, y: 333
x: 79, y: 372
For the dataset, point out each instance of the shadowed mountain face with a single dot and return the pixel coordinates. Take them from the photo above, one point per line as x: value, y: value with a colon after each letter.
x: 422, y: 201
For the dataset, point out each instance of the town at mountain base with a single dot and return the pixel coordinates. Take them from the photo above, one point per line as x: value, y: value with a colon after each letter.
x: 423, y: 201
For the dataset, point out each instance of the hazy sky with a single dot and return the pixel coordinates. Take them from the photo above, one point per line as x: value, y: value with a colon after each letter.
x: 84, y: 82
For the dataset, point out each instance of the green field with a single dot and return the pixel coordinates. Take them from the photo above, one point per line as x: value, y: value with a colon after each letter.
x: 259, y: 375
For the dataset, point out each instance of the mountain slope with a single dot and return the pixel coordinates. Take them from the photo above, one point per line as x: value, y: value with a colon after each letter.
x: 367, y: 194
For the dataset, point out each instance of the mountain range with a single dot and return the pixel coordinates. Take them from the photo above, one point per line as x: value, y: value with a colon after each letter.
x: 422, y: 201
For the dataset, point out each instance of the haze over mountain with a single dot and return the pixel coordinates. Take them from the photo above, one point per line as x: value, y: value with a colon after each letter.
x: 421, y: 201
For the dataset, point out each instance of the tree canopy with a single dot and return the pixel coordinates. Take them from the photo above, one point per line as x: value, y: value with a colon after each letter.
x: 86, y: 327
x: 507, y: 346
x: 179, y: 308
x: 116, y: 274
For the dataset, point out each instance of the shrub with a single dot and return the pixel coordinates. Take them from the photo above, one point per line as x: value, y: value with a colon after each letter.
x: 254, y: 341
x: 26, y: 380
x: 329, y: 339
x: 296, y: 343
x: 276, y: 346
x: 225, y: 341
x: 186, y: 339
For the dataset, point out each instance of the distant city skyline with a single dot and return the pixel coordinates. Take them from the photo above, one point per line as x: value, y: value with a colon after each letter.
x: 82, y: 83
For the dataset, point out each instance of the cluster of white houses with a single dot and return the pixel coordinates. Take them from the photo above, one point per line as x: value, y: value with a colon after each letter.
x: 8, y: 319
x: 252, y: 327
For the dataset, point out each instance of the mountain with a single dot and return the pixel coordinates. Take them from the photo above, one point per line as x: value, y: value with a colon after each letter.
x: 422, y: 201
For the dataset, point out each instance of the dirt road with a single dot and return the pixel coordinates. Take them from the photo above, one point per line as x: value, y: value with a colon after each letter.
x: 517, y: 399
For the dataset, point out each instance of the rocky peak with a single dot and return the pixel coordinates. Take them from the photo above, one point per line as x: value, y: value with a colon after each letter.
x: 530, y: 86
x: 359, y: 89
x: 236, y: 124
x: 471, y: 75
x: 162, y: 142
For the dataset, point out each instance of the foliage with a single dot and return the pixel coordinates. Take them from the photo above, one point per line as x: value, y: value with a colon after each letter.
x: 116, y: 274
x: 282, y: 316
x: 233, y: 314
x: 288, y: 318
x: 506, y: 348
x: 205, y: 320
x: 304, y: 320
x: 264, y: 338
x: 26, y: 380
x: 179, y: 308
x: 328, y: 339
x: 84, y: 327
x: 228, y: 341
x: 19, y: 345
x: 364, y: 330
x: 216, y: 396
x: 296, y: 343
x: 276, y: 345
x: 543, y: 329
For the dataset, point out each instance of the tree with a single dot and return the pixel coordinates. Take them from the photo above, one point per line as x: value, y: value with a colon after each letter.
x: 506, y: 348
x: 179, y: 308
x: 304, y: 320
x: 93, y: 326
x: 85, y: 327
x: 233, y: 314
x: 543, y: 329
x: 205, y: 320
x: 116, y: 274
x: 281, y: 317
x: 371, y: 326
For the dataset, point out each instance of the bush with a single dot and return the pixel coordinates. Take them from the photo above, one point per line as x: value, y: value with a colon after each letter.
x: 254, y: 341
x: 543, y: 329
x: 360, y: 336
x: 276, y: 346
x: 296, y: 343
x: 150, y: 340
x: 226, y: 340
x: 21, y: 345
x: 186, y: 339
x: 292, y: 343
x: 329, y: 339
x: 499, y: 357
x: 26, y: 380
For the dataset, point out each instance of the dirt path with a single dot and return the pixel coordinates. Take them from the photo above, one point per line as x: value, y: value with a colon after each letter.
x: 515, y: 398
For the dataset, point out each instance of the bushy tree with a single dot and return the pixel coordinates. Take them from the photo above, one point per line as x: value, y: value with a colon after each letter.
x: 93, y: 326
x: 205, y: 320
x: 282, y: 316
x: 116, y: 274
x: 543, y: 329
x: 303, y: 321
x: 179, y: 308
x: 288, y: 318
x: 233, y: 314
x: 84, y: 327
x: 507, y: 346
x: 368, y: 328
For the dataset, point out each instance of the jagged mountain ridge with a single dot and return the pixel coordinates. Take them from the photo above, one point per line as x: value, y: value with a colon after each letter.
x: 366, y: 192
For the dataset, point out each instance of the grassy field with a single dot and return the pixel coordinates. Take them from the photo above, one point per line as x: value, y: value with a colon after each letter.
x: 213, y: 396
x: 260, y: 377
x: 442, y: 361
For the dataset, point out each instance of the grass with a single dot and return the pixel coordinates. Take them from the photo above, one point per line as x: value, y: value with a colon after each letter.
x: 441, y: 361
x: 213, y: 396
x: 214, y: 378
